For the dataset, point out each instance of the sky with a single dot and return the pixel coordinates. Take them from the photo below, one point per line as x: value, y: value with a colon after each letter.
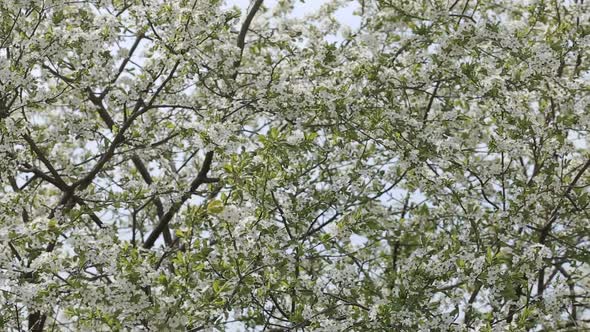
x: 345, y: 16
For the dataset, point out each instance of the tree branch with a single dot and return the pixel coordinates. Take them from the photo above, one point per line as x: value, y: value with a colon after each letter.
x: 167, y: 217
x: 244, y: 31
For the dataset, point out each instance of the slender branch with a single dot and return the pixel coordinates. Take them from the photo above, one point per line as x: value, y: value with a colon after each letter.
x: 472, y: 299
x: 244, y: 31
x: 61, y: 183
x: 167, y: 217
x: 547, y: 228
x: 247, y: 22
x: 430, y: 102
x: 157, y: 202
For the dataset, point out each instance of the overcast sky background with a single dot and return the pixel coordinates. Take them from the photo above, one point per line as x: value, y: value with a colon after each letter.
x: 345, y: 15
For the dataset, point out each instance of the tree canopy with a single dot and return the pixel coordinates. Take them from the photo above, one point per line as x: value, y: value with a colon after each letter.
x: 172, y: 165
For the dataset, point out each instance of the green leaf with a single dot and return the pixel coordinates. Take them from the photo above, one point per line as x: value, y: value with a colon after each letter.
x: 215, y: 207
x: 509, y: 292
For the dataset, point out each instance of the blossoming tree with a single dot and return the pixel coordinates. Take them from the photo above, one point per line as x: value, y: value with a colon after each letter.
x: 180, y: 165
